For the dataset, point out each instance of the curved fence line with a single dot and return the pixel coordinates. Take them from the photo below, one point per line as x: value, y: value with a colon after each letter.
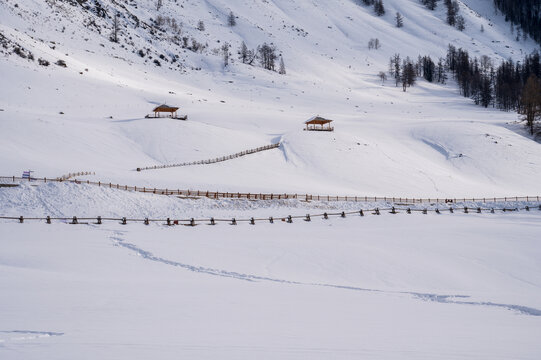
x: 252, y: 220
x: 72, y: 175
x: 285, y: 196
x: 214, y: 160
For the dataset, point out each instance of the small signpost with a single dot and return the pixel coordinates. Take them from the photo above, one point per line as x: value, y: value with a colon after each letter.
x: 27, y: 174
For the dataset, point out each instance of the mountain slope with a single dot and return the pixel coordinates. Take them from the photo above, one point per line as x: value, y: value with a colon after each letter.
x: 425, y: 142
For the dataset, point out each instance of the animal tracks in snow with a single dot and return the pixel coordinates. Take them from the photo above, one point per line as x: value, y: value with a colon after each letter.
x: 445, y: 299
x: 25, y: 335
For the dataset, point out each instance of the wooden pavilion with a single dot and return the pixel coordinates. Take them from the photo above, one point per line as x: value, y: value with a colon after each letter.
x: 319, y: 124
x: 172, y: 110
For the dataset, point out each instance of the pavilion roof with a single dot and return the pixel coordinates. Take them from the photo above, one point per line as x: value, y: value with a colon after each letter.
x: 317, y: 120
x: 165, y: 108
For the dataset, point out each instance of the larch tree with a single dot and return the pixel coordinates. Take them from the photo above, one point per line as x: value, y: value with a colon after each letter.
x: 201, y: 25
x: 225, y: 53
x: 382, y: 76
x: 396, y: 62
x: 267, y: 56
x: 282, y: 70
x: 243, y: 53
x: 531, y: 102
x: 116, y: 29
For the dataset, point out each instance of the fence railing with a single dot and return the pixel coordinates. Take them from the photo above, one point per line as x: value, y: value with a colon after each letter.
x: 72, y: 175
x: 252, y: 220
x: 213, y: 160
x: 273, y: 196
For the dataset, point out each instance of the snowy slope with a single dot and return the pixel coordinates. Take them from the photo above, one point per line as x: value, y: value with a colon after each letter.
x: 403, y: 140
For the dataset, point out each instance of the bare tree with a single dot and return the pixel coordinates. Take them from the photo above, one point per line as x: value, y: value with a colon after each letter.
x: 486, y: 63
x: 531, y: 102
x: 441, y: 75
x: 225, y: 53
x: 201, y: 25
x: 374, y: 44
x: 282, y: 70
x: 116, y: 29
x: 394, y: 68
x: 382, y: 76
x: 243, y: 53
x: 267, y: 56
x: 159, y: 4
x: 246, y: 55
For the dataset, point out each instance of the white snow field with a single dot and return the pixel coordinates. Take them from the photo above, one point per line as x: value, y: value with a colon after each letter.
x: 377, y: 287
x: 404, y: 286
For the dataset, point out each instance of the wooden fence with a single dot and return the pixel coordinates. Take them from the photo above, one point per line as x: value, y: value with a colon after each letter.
x: 252, y: 220
x: 284, y: 196
x: 72, y: 175
x: 213, y: 160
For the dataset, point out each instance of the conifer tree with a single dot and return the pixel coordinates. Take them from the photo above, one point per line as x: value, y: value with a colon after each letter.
x: 399, y: 20
x: 379, y: 9
x: 460, y: 23
x: 452, y: 11
x: 231, y: 20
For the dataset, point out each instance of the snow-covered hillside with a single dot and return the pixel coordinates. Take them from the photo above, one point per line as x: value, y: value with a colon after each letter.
x: 426, y: 142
